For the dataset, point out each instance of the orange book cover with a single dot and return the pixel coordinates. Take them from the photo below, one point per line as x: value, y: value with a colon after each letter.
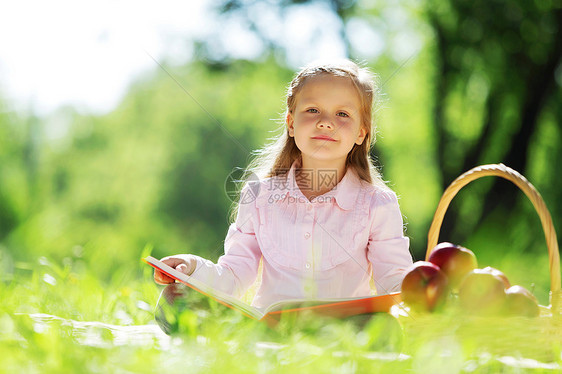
x: 337, y: 308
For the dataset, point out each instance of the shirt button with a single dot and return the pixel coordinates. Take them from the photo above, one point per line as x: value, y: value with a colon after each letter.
x: 307, y: 265
x: 309, y: 207
x: 306, y: 235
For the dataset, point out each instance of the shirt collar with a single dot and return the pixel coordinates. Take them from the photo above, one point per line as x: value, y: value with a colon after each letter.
x: 347, y: 189
x: 345, y: 192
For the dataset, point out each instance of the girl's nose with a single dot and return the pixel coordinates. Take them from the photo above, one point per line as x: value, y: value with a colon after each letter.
x: 325, y: 124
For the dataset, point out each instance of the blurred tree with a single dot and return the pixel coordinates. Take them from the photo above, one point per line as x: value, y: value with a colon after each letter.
x: 9, y: 151
x: 242, y: 9
x: 151, y: 171
x: 219, y: 133
x: 19, y: 158
x: 500, y: 57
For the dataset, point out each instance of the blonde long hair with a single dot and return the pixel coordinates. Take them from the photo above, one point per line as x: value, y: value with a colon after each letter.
x: 276, y: 157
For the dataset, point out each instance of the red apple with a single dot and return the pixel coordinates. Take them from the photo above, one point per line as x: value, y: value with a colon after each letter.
x: 425, y: 287
x: 455, y: 261
x: 498, y: 273
x: 521, y: 302
x: 482, y: 293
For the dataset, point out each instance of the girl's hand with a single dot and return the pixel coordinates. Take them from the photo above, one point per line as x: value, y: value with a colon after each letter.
x: 183, y: 263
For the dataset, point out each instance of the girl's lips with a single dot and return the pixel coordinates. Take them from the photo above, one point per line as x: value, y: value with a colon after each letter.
x: 323, y: 137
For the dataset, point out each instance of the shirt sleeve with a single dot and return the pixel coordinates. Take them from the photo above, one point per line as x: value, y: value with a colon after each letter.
x: 388, y: 248
x: 237, y: 269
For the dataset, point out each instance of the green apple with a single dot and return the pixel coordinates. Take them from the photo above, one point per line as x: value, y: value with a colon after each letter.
x: 521, y: 302
x: 482, y: 293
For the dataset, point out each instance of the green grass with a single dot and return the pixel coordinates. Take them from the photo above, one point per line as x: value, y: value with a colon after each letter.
x: 63, y: 320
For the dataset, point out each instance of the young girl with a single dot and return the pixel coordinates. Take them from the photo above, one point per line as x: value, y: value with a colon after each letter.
x: 322, y: 221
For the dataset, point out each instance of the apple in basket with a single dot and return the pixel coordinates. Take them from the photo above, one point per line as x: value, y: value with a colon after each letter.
x: 425, y: 287
x: 482, y: 292
x: 455, y: 261
x: 521, y: 302
x: 498, y: 273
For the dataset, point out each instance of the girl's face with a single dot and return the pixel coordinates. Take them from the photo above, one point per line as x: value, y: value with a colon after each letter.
x: 326, y: 120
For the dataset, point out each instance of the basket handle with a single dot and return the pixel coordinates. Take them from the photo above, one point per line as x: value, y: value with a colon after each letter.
x: 500, y: 170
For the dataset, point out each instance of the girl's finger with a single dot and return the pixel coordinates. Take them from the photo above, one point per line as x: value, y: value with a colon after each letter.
x: 161, y: 278
x: 182, y: 268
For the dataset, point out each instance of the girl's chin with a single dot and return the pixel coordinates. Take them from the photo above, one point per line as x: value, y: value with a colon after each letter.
x: 323, y: 157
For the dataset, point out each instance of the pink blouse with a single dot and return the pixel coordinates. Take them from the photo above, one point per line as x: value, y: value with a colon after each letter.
x: 330, y: 247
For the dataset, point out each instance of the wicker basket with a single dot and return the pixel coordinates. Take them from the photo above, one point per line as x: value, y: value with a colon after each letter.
x: 500, y: 170
x: 507, y: 335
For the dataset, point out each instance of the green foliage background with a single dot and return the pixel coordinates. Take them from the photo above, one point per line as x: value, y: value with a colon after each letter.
x: 153, y: 171
x: 77, y: 212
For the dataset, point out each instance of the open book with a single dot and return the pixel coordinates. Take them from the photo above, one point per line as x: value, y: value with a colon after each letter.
x: 338, y: 308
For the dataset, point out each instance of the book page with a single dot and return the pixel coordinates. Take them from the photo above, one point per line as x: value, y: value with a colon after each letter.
x: 205, y: 289
x: 341, y: 307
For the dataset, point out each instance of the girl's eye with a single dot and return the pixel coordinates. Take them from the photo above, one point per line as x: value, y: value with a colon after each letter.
x: 342, y: 114
x: 312, y: 110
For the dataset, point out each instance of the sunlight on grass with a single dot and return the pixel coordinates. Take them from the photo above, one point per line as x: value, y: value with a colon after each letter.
x: 61, y: 320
